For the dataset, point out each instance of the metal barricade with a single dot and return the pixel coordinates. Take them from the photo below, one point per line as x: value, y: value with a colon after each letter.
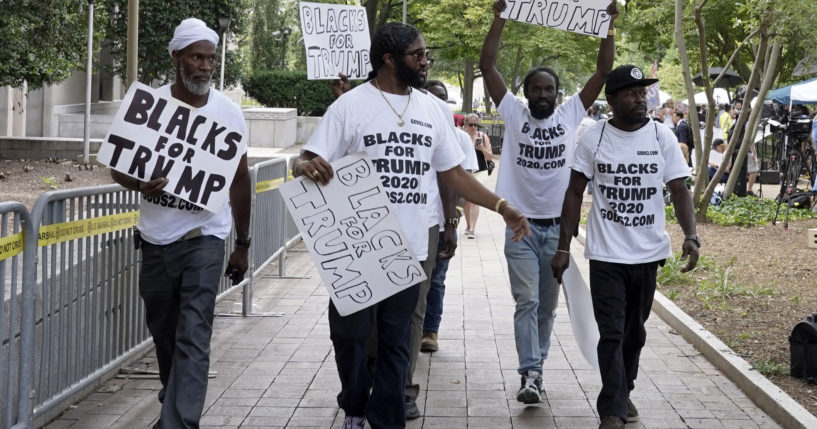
x: 16, y: 339
x: 90, y: 319
x: 82, y: 316
x: 495, y: 129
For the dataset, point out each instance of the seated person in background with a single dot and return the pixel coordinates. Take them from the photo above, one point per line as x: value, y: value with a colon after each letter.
x: 715, y: 159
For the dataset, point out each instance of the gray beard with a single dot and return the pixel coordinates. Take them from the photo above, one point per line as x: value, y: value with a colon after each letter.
x: 196, y: 88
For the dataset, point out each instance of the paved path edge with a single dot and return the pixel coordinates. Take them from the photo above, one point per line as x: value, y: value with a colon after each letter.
x: 770, y: 398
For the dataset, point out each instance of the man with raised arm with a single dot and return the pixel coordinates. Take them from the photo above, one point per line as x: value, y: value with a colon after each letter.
x: 629, y: 159
x: 533, y: 175
x: 409, y: 138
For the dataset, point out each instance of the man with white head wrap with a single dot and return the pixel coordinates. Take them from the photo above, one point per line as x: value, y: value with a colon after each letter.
x: 183, y: 245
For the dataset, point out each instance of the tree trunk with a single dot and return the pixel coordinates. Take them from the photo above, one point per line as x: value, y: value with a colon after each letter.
x: 515, y: 74
x: 371, y: 15
x: 467, y: 85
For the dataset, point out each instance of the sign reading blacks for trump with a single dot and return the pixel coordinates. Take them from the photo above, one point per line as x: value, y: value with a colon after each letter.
x: 156, y: 136
x: 353, y: 235
x: 588, y: 17
x: 336, y: 38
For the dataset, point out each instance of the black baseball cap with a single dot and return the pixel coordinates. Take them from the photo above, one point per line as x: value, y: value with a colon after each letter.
x: 625, y: 76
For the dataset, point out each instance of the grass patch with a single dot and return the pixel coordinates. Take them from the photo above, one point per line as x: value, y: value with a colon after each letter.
x: 767, y: 368
x: 709, y: 282
x: 746, y: 211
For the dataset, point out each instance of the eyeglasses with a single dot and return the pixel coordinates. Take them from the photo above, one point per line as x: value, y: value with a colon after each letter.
x: 418, y: 55
x: 473, y: 125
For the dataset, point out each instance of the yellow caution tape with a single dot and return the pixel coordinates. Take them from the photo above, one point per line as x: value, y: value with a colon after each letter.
x: 11, y: 246
x: 270, y: 185
x: 59, y: 232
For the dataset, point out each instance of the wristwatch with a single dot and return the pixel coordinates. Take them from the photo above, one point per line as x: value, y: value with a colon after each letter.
x: 243, y: 241
x: 694, y: 239
x: 453, y: 221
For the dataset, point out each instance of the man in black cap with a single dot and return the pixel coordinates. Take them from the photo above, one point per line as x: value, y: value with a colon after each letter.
x: 628, y: 158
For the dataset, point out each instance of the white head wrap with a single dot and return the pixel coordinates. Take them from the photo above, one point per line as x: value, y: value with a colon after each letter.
x: 191, y: 30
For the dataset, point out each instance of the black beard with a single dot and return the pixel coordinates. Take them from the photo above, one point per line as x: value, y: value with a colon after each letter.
x: 409, y: 76
x: 538, y: 113
x: 633, y: 119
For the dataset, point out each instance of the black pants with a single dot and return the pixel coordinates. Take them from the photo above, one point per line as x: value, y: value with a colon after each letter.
x: 178, y: 283
x: 622, y: 298
x: 385, y: 409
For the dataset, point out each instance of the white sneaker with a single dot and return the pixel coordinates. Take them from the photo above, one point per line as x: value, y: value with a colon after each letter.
x: 529, y: 392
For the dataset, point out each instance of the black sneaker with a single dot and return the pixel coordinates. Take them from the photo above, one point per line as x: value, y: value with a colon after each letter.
x: 412, y: 412
x: 632, y: 412
x: 531, y: 389
x: 611, y: 422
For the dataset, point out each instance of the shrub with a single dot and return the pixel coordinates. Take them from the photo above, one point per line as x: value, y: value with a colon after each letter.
x: 282, y: 88
x: 746, y: 211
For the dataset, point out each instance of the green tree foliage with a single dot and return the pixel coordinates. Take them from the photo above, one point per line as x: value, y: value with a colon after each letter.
x: 157, y: 20
x: 281, y: 88
x: 43, y: 41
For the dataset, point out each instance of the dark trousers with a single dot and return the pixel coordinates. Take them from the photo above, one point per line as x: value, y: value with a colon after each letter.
x: 385, y: 408
x: 622, y: 298
x: 436, y: 293
x: 178, y: 283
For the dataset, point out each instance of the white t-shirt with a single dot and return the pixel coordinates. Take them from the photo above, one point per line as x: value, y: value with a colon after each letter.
x: 715, y: 157
x: 470, y: 164
x: 534, y: 173
x: 628, y: 170
x: 405, y: 157
x: 167, y: 218
x: 586, y: 123
x: 434, y: 201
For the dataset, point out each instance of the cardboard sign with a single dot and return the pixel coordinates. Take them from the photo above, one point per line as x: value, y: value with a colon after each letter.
x: 336, y: 38
x: 353, y: 235
x: 157, y: 136
x: 588, y: 17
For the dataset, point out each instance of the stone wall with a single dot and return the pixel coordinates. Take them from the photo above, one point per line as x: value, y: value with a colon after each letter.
x: 44, y: 147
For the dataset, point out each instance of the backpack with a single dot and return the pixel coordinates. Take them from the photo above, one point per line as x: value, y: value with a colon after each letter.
x: 803, y: 349
x: 799, y: 199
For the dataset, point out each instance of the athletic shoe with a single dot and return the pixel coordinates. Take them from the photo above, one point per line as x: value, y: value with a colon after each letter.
x: 611, y: 422
x: 429, y: 342
x: 354, y: 422
x: 632, y: 412
x: 529, y: 392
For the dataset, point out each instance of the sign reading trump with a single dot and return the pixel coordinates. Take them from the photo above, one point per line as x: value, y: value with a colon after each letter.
x: 588, y: 17
x: 155, y: 135
x: 336, y: 38
x: 353, y: 235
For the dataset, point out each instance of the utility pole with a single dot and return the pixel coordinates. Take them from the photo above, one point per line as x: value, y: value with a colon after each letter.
x: 133, y: 42
x: 89, y: 73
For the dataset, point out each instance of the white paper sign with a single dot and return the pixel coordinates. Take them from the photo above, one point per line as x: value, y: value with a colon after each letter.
x: 580, y: 308
x: 588, y: 17
x: 154, y: 136
x: 336, y: 38
x: 353, y: 235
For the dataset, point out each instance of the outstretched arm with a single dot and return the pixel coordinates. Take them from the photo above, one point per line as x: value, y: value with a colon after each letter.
x: 490, y: 51
x: 604, y: 61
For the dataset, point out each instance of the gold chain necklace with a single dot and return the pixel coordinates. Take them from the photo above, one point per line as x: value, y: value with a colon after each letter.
x: 400, y: 121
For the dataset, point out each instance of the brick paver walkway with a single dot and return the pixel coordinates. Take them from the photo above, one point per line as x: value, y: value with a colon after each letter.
x: 280, y: 371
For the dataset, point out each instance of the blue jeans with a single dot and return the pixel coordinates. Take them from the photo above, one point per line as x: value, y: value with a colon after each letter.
x: 436, y: 293
x: 535, y: 292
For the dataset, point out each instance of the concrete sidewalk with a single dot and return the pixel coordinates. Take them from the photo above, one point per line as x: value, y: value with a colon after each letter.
x: 280, y: 371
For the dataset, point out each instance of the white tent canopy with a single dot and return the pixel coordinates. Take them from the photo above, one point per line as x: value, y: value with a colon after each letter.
x: 721, y: 96
x: 804, y: 93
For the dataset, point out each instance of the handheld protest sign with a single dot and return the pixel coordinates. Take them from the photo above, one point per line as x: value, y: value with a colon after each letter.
x: 588, y: 17
x: 153, y: 135
x: 352, y: 233
x: 336, y: 38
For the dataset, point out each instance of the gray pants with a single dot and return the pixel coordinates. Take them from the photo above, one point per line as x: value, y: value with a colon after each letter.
x: 413, y: 389
x: 178, y: 283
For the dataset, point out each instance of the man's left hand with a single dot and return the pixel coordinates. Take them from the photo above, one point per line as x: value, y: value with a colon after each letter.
x: 689, y: 249
x: 449, y: 243
x: 237, y: 265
